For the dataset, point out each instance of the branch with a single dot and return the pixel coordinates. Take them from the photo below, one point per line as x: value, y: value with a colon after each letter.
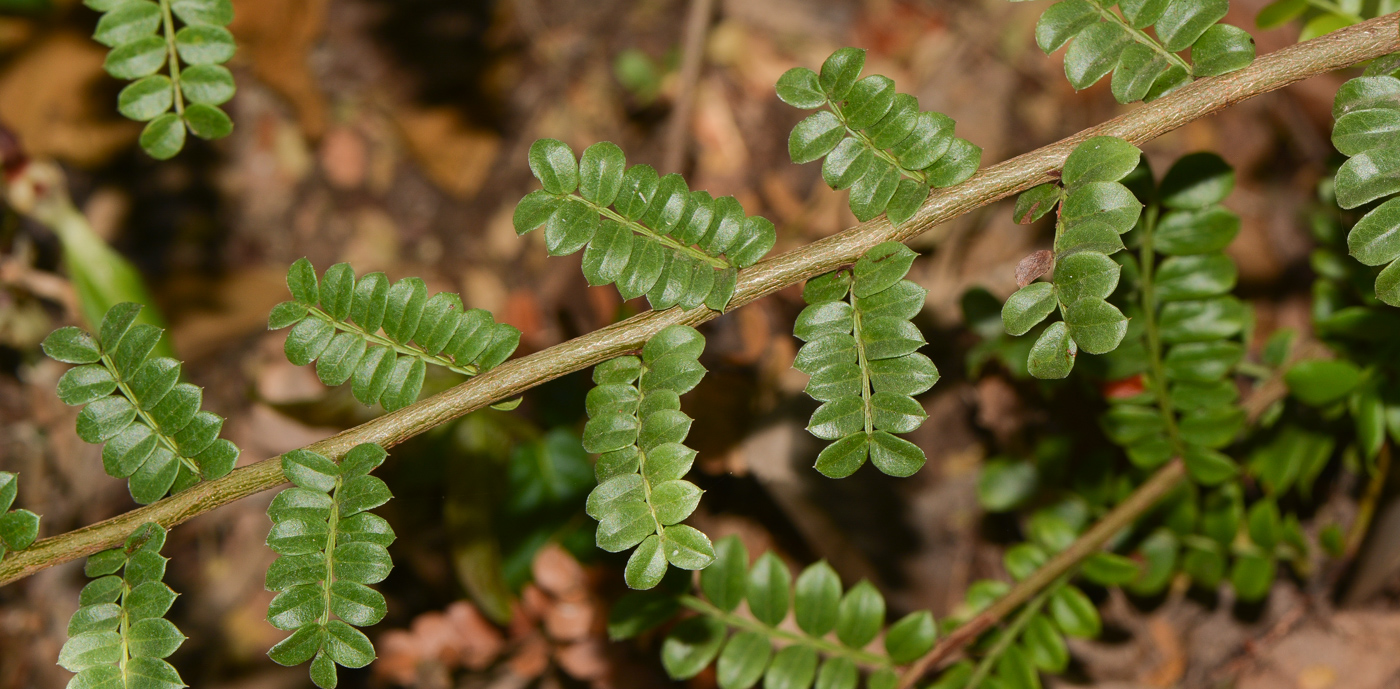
x: 1122, y: 516
x: 1337, y: 50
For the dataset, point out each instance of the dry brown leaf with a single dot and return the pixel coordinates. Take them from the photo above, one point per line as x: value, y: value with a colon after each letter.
x: 569, y: 620
x: 399, y: 655
x: 455, y: 155
x: 344, y: 158
x: 275, y: 36
x: 558, y: 573
x: 531, y: 658
x: 476, y: 641
x: 584, y: 660
x: 1033, y: 266
x: 46, y: 98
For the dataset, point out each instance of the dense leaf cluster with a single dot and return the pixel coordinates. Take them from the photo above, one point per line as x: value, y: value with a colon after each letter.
x: 1144, y: 66
x: 636, y: 426
x: 1188, y: 350
x: 1367, y: 130
x: 876, y: 141
x: 143, y: 41
x: 18, y: 528
x: 336, y: 322
x: 119, y: 637
x: 645, y: 233
x: 819, y: 610
x: 331, y: 548
x: 1095, y: 210
x: 155, y: 434
x: 862, y: 355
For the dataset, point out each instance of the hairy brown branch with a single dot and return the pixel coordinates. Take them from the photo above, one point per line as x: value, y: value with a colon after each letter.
x: 1338, y: 50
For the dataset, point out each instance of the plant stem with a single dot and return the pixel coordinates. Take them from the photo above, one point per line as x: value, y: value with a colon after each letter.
x: 863, y: 363
x: 172, y: 56
x: 653, y: 235
x: 437, y: 360
x: 1147, y: 257
x: 1342, y: 48
x: 865, y: 140
x: 1356, y: 533
x: 1013, y: 630
x: 146, y: 418
x: 1167, y: 478
x: 866, y: 658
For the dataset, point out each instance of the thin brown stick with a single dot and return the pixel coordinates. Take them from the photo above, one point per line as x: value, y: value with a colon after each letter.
x: 1337, y: 50
x: 1122, y: 516
x: 697, y: 28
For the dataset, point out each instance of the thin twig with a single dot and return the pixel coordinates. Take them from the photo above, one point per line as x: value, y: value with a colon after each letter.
x: 1122, y: 516
x: 697, y: 27
x: 1337, y: 50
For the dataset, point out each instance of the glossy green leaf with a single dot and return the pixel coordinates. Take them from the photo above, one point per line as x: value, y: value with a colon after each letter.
x: 743, y: 660
x: 911, y: 637
x: 1184, y: 21
x: 1222, y: 49
x: 163, y: 136
x: 553, y: 164
x: 1028, y: 307
x: 860, y: 616
x: 1093, y: 54
x: 1074, y: 613
x: 725, y: 581
x: 769, y: 589
x: 1319, y: 381
x: 691, y: 646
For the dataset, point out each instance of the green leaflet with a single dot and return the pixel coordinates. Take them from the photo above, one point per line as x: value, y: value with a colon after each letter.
x: 119, y: 636
x: 875, y: 141
x: 154, y: 432
x: 18, y: 528
x: 1366, y: 130
x: 1095, y: 208
x: 818, y: 604
x: 861, y: 354
x: 1144, y: 66
x: 336, y: 322
x: 143, y: 41
x: 645, y: 233
x: 636, y: 425
x: 330, y: 548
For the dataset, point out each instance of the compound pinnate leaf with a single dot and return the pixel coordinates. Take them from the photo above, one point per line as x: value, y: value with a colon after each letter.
x: 875, y: 140
x: 314, y: 581
x: 635, y: 422
x: 118, y: 635
x: 133, y: 401
x: 659, y: 238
